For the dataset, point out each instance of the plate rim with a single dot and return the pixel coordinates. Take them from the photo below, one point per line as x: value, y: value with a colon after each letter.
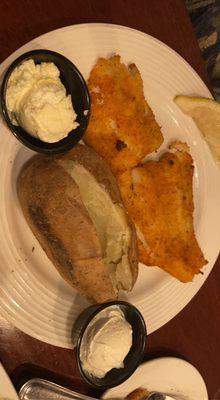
x: 10, y: 388
x: 151, y: 363
x: 177, y: 56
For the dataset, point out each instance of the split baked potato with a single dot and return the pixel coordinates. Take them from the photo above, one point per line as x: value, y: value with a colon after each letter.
x: 73, y: 206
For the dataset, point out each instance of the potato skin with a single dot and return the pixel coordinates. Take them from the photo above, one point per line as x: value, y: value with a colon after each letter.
x: 52, y: 205
x: 98, y: 167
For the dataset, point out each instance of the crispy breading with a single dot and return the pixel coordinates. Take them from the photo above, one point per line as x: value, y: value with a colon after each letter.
x: 158, y: 196
x: 122, y: 127
x: 138, y: 394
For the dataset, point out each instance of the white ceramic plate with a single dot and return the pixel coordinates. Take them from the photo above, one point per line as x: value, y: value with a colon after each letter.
x: 169, y: 375
x: 7, y: 391
x: 32, y: 294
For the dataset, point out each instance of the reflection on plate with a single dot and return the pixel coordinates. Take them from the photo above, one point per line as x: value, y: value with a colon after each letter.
x: 7, y: 391
x: 32, y: 294
x: 169, y: 375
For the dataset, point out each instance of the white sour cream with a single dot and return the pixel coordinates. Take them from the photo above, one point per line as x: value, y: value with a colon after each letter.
x: 106, y: 342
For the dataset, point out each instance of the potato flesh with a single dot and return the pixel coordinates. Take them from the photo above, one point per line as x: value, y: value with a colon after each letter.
x: 110, y: 222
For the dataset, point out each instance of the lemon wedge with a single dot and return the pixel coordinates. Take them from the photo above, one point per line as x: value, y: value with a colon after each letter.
x: 206, y: 114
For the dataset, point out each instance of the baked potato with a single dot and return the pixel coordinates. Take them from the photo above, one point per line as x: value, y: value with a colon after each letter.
x: 73, y: 206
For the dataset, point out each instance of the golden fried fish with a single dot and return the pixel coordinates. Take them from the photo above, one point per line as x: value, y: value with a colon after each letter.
x: 122, y: 127
x: 138, y: 394
x: 159, y: 199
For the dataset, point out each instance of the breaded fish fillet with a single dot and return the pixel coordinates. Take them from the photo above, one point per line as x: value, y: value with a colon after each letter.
x: 138, y: 394
x: 122, y: 127
x: 158, y: 196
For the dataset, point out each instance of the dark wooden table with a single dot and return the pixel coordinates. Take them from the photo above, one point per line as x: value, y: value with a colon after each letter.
x: 194, y: 334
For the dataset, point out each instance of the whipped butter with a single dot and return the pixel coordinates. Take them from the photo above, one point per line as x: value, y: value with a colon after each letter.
x: 106, y: 342
x: 36, y: 100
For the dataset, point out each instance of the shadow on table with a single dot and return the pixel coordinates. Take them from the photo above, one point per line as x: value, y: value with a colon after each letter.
x: 159, y: 352
x: 25, y: 372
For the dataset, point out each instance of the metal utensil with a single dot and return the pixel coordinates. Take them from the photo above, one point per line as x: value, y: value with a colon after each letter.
x: 41, y: 389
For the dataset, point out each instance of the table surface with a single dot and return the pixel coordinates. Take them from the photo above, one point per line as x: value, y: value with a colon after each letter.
x: 194, y: 333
